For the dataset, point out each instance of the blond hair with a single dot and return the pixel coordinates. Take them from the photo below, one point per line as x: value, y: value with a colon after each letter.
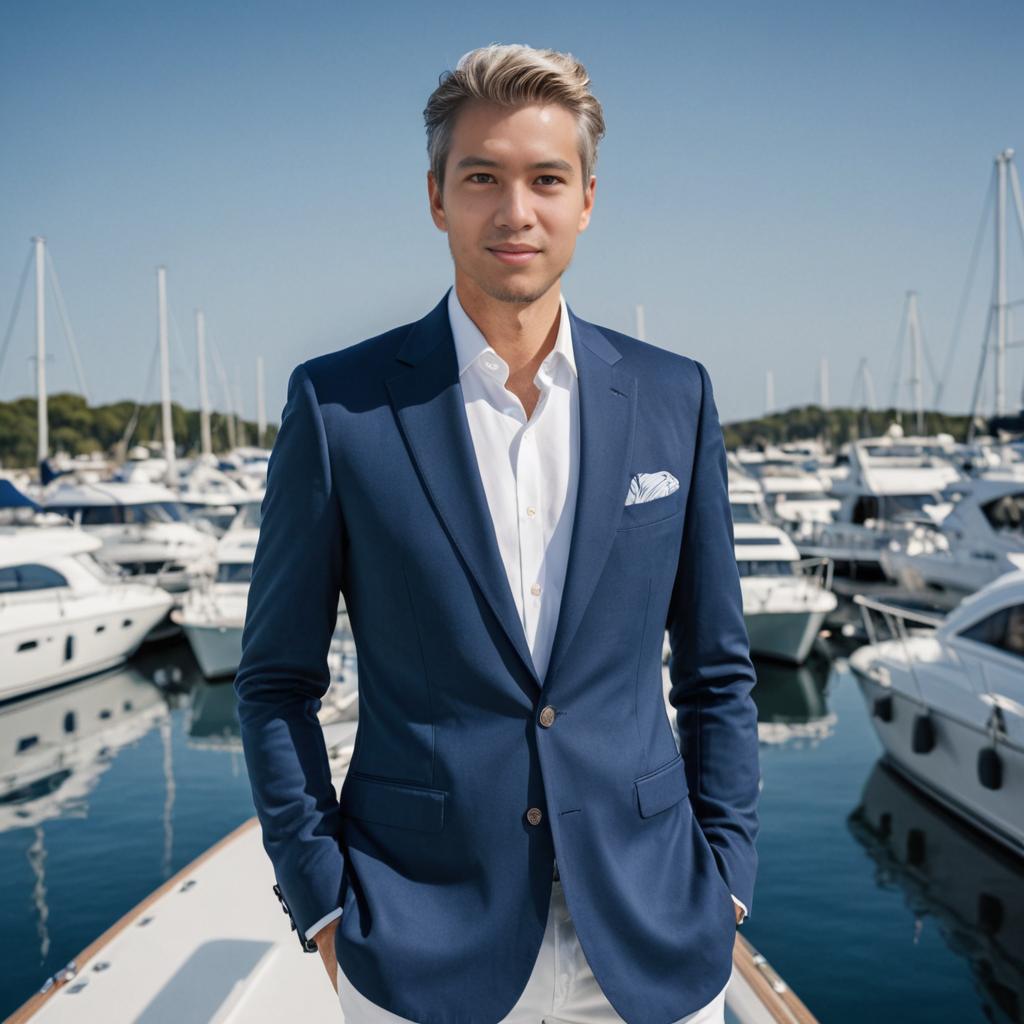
x: 513, y: 75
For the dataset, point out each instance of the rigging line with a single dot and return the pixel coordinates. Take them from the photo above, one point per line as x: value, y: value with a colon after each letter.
x: 17, y: 306
x: 222, y: 375
x: 858, y: 383
x: 1017, y: 202
x: 972, y: 267
x: 898, y: 354
x: 133, y: 420
x: 927, y: 352
x: 181, y: 350
x: 981, y: 371
x: 69, y: 334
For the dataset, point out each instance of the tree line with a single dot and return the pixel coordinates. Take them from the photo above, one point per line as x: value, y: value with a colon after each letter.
x: 77, y: 428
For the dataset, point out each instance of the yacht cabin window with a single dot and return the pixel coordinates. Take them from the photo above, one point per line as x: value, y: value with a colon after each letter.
x: 234, y: 572
x: 119, y: 515
x: 1006, y: 513
x: 16, y: 579
x: 1003, y: 629
x: 765, y: 567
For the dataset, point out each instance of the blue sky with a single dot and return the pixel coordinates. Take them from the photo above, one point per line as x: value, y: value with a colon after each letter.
x: 775, y: 176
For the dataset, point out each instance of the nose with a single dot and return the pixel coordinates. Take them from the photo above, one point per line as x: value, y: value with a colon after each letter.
x: 515, y: 211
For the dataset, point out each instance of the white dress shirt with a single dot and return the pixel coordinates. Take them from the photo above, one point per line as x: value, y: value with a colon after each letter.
x: 530, y: 473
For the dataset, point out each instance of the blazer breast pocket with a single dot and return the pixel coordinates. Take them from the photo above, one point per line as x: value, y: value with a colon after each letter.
x: 646, y: 513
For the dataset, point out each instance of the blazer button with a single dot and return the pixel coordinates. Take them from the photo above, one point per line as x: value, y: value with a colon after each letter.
x: 533, y: 815
x: 547, y: 715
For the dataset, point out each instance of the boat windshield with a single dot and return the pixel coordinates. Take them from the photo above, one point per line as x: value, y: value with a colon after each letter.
x: 17, y: 579
x: 765, y: 567
x: 105, y: 572
x: 802, y: 496
x: 894, y: 507
x: 119, y: 515
x: 1006, y: 514
x: 249, y: 516
x: 234, y: 572
x: 748, y: 512
x: 1003, y: 629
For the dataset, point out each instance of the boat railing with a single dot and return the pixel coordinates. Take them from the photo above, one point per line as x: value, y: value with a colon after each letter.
x: 818, y: 568
x: 895, y: 617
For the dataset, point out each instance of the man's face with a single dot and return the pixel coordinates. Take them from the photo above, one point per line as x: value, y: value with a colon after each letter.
x: 513, y: 180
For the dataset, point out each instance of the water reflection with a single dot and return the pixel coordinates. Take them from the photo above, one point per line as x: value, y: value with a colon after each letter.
x: 792, y: 706
x: 946, y: 869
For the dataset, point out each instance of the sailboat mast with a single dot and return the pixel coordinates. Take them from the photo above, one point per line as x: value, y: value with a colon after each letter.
x: 165, y: 377
x: 916, y: 380
x: 42, y: 419
x: 204, y: 398
x: 1000, y: 236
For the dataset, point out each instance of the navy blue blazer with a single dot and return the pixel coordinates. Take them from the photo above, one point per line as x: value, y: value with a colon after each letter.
x: 373, y: 492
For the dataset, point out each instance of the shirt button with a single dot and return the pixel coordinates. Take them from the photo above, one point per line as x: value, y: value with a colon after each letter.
x: 533, y: 815
x: 535, y: 589
x: 531, y: 511
x: 490, y: 364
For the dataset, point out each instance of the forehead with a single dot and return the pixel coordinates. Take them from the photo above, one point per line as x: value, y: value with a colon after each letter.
x: 523, y: 134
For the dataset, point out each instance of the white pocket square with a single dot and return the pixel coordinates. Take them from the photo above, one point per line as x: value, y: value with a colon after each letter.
x: 647, y: 486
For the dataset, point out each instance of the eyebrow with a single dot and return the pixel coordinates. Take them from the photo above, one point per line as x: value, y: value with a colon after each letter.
x: 480, y: 161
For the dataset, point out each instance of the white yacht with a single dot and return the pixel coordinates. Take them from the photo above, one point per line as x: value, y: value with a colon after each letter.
x: 946, y: 698
x: 890, y: 488
x: 785, y: 598
x: 980, y: 539
x: 62, y: 614
x: 212, y: 614
x: 142, y: 527
x: 210, y: 496
x: 797, y: 499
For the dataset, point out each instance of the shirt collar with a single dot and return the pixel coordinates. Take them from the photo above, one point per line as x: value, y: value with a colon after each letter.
x: 470, y: 344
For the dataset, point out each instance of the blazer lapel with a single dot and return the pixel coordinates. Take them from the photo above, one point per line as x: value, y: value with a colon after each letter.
x: 428, y: 402
x: 607, y: 422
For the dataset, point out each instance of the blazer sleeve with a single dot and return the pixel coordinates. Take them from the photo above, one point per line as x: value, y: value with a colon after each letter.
x: 282, y: 676
x: 710, y: 671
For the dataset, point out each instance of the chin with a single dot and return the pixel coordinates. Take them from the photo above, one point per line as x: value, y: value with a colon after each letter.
x: 518, y: 289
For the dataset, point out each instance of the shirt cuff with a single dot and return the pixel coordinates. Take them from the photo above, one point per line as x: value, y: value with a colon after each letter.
x: 326, y: 919
x: 742, y: 906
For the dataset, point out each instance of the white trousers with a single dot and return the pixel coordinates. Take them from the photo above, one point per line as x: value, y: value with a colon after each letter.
x: 561, y: 989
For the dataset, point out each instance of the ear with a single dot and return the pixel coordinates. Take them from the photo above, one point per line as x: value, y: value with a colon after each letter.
x: 436, y: 203
x: 588, y: 203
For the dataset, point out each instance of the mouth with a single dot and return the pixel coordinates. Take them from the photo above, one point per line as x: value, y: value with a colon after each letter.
x: 514, y: 255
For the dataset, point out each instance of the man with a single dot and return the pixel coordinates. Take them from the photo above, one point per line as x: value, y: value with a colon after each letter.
x: 515, y: 504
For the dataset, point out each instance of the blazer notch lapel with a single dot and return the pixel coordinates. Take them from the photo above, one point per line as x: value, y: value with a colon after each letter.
x: 608, y: 401
x: 430, y: 410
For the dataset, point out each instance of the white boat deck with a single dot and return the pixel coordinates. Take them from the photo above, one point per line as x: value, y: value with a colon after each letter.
x: 213, y: 945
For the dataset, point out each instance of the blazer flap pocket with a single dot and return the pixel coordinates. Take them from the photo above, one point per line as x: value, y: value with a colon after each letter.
x: 660, y: 789
x: 387, y: 802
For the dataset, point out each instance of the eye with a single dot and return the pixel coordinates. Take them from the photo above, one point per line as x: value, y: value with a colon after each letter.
x: 552, y: 178
x: 479, y: 174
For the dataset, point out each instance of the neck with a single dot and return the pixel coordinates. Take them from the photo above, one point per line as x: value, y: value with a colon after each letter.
x: 522, y: 333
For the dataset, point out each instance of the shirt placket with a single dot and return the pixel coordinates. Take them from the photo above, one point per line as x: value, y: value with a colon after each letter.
x: 531, y: 540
